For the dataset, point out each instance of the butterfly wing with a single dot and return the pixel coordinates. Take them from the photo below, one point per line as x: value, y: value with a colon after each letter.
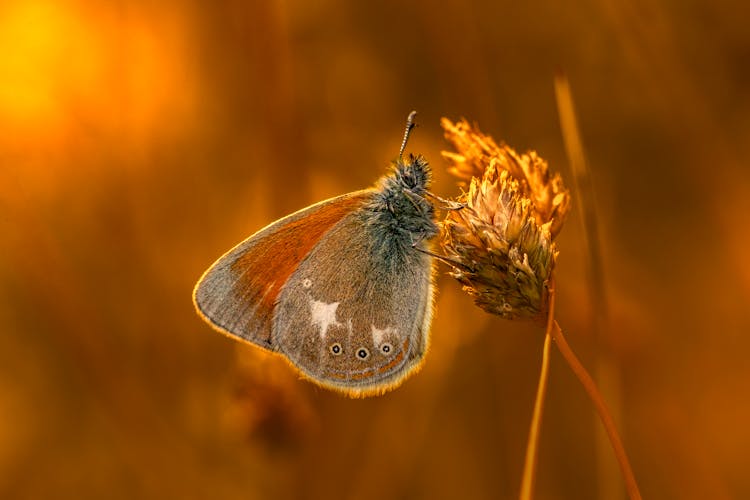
x: 355, y: 314
x: 237, y: 294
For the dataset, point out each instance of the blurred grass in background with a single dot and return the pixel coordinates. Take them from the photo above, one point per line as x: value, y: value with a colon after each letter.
x: 140, y: 140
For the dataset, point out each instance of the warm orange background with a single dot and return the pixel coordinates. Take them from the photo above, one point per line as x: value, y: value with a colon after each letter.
x: 139, y: 140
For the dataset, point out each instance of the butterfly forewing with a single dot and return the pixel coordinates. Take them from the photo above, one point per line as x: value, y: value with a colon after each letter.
x: 354, y: 315
x: 238, y: 292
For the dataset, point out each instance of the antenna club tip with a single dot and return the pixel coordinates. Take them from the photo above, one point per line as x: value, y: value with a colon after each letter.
x: 409, y: 125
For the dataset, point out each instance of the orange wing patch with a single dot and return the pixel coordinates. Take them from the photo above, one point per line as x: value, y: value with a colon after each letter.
x: 238, y: 293
x: 275, y: 257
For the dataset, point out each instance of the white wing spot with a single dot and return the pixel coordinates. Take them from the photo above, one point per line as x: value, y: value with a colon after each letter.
x: 306, y: 283
x: 323, y: 315
x: 377, y: 334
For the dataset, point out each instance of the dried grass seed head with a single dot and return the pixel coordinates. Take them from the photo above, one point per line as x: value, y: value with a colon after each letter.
x: 503, y: 238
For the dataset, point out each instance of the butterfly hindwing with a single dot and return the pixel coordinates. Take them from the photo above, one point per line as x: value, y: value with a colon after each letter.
x: 238, y: 292
x: 355, y: 314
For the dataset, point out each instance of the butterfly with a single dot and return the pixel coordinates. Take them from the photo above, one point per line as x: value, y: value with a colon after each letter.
x: 343, y: 289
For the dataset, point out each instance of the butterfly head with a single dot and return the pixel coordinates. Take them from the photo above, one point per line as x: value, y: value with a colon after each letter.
x: 401, y: 205
x: 413, y: 174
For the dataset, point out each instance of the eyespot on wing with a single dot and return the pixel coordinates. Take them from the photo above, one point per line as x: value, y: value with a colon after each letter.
x: 350, y: 285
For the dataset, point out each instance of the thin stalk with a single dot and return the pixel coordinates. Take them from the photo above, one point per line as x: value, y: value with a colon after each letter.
x: 601, y: 409
x: 532, y: 445
x: 606, y: 369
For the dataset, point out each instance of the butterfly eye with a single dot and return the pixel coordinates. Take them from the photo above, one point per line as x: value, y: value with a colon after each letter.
x: 386, y: 348
x: 336, y: 349
x: 363, y: 353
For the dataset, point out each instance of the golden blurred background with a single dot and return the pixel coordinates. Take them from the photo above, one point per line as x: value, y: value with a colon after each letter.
x: 139, y: 140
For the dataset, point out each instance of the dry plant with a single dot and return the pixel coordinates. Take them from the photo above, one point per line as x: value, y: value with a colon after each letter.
x: 501, y: 246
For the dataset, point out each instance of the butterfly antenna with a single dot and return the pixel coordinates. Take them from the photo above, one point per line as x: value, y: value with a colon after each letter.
x: 409, y: 125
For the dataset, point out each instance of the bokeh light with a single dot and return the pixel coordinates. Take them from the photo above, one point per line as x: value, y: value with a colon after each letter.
x: 140, y: 140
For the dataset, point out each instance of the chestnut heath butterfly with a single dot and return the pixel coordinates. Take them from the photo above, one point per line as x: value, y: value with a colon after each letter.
x: 343, y: 289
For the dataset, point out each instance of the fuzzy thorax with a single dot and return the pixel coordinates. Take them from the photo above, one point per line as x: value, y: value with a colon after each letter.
x: 399, y: 210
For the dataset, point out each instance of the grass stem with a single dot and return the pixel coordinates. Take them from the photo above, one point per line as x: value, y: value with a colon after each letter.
x: 532, y: 445
x: 601, y: 408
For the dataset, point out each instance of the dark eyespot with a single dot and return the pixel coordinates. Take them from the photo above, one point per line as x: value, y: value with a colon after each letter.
x: 336, y: 349
x: 363, y: 353
x: 386, y: 348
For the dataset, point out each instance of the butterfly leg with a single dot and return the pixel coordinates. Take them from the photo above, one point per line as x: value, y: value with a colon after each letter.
x: 442, y: 258
x: 445, y: 204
